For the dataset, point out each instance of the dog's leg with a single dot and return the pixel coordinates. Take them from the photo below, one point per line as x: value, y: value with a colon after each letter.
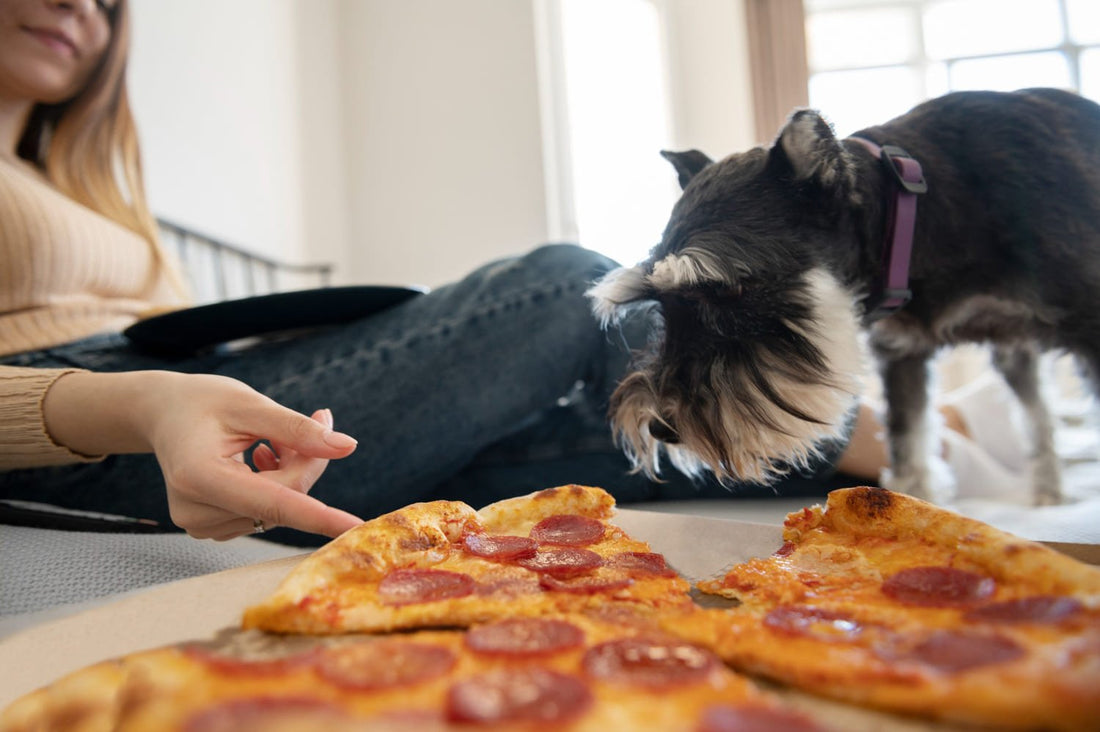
x: 905, y: 387
x: 1020, y: 367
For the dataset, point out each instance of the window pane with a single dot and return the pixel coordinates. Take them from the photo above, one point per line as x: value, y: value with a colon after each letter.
x: 852, y: 100
x: 1005, y: 73
x: 936, y: 80
x: 1084, y: 21
x: 1090, y: 74
x: 855, y: 38
x: 956, y: 28
x: 623, y: 189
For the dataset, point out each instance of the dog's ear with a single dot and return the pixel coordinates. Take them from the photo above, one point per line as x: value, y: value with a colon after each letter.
x: 687, y: 164
x: 810, y: 147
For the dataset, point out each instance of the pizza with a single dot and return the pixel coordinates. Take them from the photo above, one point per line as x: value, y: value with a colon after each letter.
x: 443, y: 564
x: 538, y: 612
x: 887, y: 601
x: 579, y: 672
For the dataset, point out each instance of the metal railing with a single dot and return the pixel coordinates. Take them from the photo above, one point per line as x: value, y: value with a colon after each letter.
x: 218, y: 270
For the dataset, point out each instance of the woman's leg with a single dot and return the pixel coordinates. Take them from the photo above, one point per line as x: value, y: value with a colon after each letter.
x: 423, y: 386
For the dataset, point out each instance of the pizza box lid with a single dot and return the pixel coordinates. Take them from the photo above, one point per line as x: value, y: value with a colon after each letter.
x: 200, y: 607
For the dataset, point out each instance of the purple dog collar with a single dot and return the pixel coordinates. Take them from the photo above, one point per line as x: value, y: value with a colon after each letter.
x: 892, y: 291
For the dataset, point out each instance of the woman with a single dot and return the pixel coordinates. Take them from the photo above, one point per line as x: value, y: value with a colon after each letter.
x: 493, y: 386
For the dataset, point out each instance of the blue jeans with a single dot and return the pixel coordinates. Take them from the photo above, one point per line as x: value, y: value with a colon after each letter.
x: 494, y: 386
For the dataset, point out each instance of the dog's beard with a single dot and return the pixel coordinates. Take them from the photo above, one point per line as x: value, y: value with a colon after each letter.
x: 755, y: 418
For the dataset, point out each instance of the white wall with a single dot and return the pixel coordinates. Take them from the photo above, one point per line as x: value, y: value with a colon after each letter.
x: 215, y: 93
x: 399, y: 139
x: 709, y: 80
x: 443, y: 147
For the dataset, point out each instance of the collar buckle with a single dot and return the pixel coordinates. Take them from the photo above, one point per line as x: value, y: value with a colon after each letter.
x: 903, y: 168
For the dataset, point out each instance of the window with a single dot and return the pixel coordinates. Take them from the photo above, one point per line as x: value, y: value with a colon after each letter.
x: 871, y: 60
x: 604, y: 120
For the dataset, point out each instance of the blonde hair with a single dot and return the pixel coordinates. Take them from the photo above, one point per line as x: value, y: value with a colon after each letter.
x: 88, y: 145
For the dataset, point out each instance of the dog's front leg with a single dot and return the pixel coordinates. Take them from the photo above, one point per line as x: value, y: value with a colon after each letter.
x: 905, y: 386
x: 1020, y: 367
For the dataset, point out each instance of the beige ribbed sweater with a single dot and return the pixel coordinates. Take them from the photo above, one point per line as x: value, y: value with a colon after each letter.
x: 66, y: 272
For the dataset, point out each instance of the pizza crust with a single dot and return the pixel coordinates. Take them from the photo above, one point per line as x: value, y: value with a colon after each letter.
x: 877, y: 512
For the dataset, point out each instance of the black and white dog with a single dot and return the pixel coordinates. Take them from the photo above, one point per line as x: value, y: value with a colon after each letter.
x: 975, y: 217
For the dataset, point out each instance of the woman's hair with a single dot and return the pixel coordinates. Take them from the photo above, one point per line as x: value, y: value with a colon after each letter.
x: 88, y: 146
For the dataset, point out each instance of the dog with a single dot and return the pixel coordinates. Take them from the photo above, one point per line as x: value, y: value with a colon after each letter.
x: 974, y: 217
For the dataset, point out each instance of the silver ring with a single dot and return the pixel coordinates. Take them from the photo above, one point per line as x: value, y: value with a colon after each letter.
x: 258, y: 526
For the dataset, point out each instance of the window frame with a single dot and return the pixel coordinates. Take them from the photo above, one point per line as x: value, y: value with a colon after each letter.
x: 921, y: 62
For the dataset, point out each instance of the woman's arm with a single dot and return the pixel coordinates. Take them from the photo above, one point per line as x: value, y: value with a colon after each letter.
x: 199, y: 427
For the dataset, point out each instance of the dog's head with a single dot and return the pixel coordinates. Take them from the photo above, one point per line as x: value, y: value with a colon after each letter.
x: 757, y: 359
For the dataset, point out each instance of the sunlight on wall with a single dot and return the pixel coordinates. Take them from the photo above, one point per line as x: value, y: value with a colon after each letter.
x: 622, y: 189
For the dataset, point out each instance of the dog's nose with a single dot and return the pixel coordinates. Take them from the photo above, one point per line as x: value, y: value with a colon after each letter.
x: 663, y: 432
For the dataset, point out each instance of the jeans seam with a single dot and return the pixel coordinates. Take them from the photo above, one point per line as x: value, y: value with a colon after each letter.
x: 361, y: 353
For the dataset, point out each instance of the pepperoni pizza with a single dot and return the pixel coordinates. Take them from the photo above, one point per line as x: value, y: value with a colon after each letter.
x: 539, y: 612
x: 887, y: 601
x: 442, y: 564
x: 580, y: 672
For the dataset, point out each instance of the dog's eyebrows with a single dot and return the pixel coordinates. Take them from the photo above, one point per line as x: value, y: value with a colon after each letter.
x: 690, y: 267
x: 615, y: 292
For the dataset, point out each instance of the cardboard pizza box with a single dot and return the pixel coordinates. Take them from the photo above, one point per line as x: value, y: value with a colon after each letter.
x: 200, y: 608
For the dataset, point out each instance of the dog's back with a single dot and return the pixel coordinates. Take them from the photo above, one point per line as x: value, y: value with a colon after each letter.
x: 1013, y: 204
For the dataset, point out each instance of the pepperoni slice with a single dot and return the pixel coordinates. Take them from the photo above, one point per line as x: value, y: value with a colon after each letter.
x: 938, y: 587
x: 568, y: 529
x: 567, y: 562
x: 231, y: 666
x: 755, y: 719
x: 524, y: 637
x: 266, y: 713
x: 953, y: 651
x: 642, y: 563
x: 785, y: 551
x: 815, y: 622
x: 384, y: 664
x: 1038, y: 609
x: 500, y: 547
x: 584, y: 585
x: 408, y: 586
x: 653, y: 663
x: 518, y: 695
x: 505, y: 587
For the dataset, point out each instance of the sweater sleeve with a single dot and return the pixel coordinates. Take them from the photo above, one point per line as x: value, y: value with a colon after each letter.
x: 24, y: 440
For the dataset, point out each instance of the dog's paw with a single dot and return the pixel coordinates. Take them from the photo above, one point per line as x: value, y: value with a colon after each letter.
x: 914, y: 483
x: 1046, y: 480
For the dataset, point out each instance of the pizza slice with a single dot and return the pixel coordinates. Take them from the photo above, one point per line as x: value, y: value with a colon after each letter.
x: 581, y: 672
x: 887, y: 601
x: 83, y: 701
x: 443, y: 564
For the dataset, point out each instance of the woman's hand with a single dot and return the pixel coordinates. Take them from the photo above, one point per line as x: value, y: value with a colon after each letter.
x: 199, y: 427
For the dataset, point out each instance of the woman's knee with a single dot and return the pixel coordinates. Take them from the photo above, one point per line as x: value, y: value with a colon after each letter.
x: 568, y: 261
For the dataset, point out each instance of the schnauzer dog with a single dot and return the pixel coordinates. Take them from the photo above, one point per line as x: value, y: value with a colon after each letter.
x: 975, y: 217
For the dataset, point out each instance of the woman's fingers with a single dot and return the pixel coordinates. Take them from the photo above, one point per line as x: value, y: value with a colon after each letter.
x: 253, y: 497
x: 264, y: 458
x: 211, y: 492
x: 228, y: 529
x: 311, y: 437
x: 290, y: 467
